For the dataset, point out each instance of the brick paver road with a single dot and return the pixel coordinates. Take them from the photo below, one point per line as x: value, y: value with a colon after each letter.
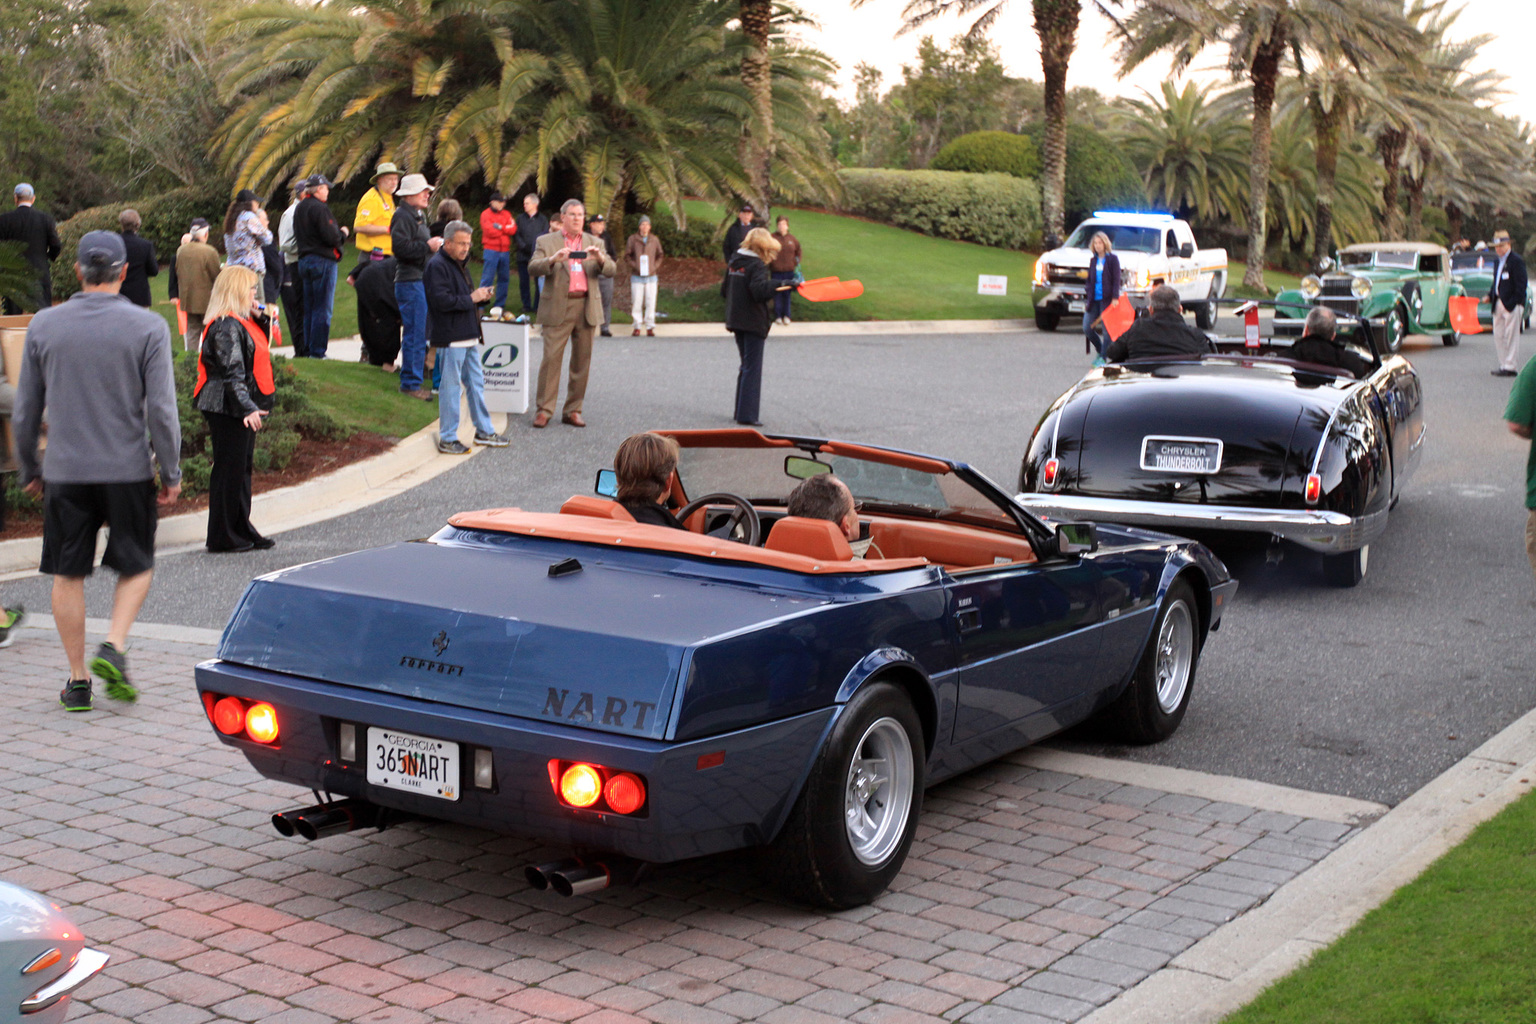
x: 1029, y: 896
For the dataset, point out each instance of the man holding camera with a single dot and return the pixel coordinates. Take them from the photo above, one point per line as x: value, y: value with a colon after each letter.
x: 569, y: 260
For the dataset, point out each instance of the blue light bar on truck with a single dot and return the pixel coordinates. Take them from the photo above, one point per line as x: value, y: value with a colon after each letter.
x: 1144, y: 214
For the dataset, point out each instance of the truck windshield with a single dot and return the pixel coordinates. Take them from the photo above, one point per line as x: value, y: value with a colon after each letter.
x: 1122, y: 238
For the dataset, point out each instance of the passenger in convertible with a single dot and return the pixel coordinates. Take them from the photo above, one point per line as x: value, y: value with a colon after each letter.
x: 1162, y: 335
x: 1320, y: 344
x: 826, y: 497
x: 644, y: 466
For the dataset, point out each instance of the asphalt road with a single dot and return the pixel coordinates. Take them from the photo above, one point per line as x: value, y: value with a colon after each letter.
x: 1369, y: 692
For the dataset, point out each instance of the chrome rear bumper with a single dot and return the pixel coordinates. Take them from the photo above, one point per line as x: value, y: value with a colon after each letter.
x: 1327, y: 532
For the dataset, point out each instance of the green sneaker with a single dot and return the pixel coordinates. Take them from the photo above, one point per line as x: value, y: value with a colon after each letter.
x: 10, y: 621
x: 76, y: 695
x: 112, y: 666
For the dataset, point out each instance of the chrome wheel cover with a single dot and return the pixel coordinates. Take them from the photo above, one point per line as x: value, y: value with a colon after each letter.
x: 1175, y: 657
x: 1399, y: 330
x: 878, y: 792
x: 1365, y: 559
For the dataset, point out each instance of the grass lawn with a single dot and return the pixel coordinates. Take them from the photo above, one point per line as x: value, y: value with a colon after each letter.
x: 1452, y: 947
x: 364, y: 397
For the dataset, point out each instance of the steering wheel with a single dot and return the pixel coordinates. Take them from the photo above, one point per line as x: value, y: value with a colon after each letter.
x: 744, y: 515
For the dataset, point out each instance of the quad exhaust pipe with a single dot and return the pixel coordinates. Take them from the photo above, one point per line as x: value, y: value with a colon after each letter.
x: 579, y: 877
x: 328, y: 819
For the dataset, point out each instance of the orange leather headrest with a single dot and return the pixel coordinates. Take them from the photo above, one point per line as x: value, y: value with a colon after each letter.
x: 597, y: 508
x: 813, y: 538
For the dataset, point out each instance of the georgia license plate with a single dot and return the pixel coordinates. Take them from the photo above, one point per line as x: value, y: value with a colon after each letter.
x: 1181, y: 454
x: 1075, y: 307
x: 416, y: 764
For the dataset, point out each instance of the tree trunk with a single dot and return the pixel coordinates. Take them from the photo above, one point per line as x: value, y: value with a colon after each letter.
x: 1456, y: 220
x: 1390, y: 145
x: 1056, y: 25
x: 1327, y: 126
x: 1416, y: 184
x: 757, y: 76
x: 1264, y: 73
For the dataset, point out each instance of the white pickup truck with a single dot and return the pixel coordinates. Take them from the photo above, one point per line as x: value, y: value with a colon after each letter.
x: 1154, y: 249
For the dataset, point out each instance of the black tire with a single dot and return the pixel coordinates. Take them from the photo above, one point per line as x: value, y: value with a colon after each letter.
x: 1205, y: 313
x: 1348, y: 569
x: 813, y: 858
x: 1451, y: 340
x: 1046, y: 321
x: 1397, y: 329
x: 1147, y: 712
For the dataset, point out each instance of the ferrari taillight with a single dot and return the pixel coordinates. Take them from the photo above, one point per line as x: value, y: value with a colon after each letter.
x: 1051, y: 472
x: 596, y: 788
x: 1314, y: 488
x: 229, y: 715
x: 250, y: 720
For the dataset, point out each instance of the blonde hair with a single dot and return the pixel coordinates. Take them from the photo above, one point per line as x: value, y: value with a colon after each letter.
x: 762, y: 243
x: 231, y: 295
x: 1109, y: 246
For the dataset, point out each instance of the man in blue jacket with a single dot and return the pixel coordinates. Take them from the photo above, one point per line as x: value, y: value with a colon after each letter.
x: 451, y: 302
x: 1507, y: 296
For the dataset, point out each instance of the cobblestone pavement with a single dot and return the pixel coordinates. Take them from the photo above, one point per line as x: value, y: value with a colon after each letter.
x: 1029, y: 896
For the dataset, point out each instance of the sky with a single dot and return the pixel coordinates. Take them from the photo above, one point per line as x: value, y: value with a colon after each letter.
x: 868, y: 35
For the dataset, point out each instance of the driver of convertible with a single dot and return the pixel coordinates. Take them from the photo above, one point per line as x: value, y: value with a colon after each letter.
x: 826, y: 497
x: 1162, y: 335
x: 644, y: 465
x: 1319, y: 343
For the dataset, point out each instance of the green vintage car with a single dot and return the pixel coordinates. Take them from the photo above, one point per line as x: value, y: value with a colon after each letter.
x: 1402, y: 288
x: 1474, y: 270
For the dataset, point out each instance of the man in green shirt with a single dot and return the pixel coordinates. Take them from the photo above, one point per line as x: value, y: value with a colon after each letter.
x: 1521, y: 417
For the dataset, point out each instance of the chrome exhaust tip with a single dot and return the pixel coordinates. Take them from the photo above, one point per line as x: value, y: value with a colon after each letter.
x: 323, y: 820
x: 580, y: 879
x: 539, y: 875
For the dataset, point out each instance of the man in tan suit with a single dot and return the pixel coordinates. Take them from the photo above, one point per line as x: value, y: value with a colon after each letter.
x: 570, y: 260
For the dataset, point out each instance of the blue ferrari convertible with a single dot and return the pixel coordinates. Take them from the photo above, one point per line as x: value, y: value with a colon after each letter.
x: 644, y: 694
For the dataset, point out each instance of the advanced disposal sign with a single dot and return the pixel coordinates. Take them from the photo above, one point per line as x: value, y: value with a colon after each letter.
x: 1181, y: 454
x: 504, y: 358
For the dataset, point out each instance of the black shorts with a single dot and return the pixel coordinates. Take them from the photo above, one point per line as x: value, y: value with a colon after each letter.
x: 73, y: 513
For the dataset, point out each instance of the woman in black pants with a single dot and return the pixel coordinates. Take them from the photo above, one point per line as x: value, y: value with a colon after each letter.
x: 234, y: 392
x: 749, y: 289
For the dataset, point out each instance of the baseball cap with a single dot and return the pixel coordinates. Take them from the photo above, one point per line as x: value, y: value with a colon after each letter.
x: 1500, y: 236
x: 383, y: 169
x: 597, y: 219
x: 198, y: 223
x: 25, y: 191
x: 411, y: 184
x: 101, y: 249
x: 498, y: 197
x: 316, y: 180
x: 746, y: 208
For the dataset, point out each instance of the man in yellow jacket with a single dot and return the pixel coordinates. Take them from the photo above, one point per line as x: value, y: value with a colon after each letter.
x: 371, y: 225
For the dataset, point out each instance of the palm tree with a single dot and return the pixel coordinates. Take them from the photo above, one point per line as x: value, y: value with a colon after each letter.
x: 1258, y: 36
x: 1056, y: 26
x: 757, y: 76
x: 1190, y: 152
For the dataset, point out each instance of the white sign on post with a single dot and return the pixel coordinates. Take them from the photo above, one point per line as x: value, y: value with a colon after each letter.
x: 991, y: 284
x: 504, y: 358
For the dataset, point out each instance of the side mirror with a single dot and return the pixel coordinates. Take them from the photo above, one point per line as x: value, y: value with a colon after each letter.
x: 1187, y: 250
x: 802, y: 468
x: 607, y: 483
x: 1076, y: 538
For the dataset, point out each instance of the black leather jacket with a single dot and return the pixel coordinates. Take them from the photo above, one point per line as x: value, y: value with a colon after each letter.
x: 228, y: 355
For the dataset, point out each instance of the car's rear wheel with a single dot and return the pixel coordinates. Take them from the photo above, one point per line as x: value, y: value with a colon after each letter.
x: 849, y: 832
x: 1347, y: 569
x: 1397, y: 329
x: 1205, y: 313
x: 1451, y: 340
x: 1154, y: 703
x: 1046, y: 321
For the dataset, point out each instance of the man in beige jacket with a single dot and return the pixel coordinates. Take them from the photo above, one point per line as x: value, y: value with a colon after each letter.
x: 570, y: 260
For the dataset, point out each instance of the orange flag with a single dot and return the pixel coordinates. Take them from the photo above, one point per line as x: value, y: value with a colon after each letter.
x: 1464, y: 314
x: 830, y: 290
x: 1119, y: 317
x: 181, y: 317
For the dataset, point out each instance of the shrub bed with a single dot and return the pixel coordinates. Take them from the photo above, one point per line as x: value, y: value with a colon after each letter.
x: 989, y: 209
x: 990, y: 153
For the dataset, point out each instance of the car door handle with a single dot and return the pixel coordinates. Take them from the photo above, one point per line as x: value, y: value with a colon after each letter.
x: 968, y: 620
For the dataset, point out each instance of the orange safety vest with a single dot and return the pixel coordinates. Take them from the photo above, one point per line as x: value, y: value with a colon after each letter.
x: 261, y: 367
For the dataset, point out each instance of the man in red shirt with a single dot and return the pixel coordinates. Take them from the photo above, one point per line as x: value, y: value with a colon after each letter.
x: 569, y: 259
x: 496, y: 230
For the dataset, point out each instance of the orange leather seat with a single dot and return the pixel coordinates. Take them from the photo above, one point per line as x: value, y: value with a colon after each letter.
x: 813, y: 538
x: 596, y: 508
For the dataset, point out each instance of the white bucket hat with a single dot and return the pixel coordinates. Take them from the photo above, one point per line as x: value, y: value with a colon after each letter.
x: 412, y: 184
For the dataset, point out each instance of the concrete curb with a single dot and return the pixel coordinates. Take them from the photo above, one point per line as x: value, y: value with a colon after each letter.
x: 834, y: 328
x: 1229, y: 968
x: 411, y: 461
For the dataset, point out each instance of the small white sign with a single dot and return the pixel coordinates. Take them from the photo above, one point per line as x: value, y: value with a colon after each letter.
x: 504, y: 359
x: 991, y: 284
x: 645, y: 266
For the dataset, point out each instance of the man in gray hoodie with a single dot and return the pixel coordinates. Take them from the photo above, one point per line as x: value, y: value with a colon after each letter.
x: 101, y: 366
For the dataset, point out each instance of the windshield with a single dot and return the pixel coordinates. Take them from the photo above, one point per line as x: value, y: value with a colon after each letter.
x: 758, y: 475
x: 1473, y: 260
x: 1395, y: 260
x: 1121, y: 237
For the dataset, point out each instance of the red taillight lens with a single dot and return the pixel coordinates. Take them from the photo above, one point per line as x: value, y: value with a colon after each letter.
x: 261, y: 723
x: 229, y: 715
x: 1314, y: 488
x: 209, y: 699
x: 1051, y: 472
x: 625, y: 793
x: 581, y: 785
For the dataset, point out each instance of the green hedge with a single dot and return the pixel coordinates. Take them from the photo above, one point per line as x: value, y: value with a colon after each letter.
x: 1099, y: 175
x: 990, y: 152
x: 700, y: 240
x: 989, y: 209
x: 166, y: 218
